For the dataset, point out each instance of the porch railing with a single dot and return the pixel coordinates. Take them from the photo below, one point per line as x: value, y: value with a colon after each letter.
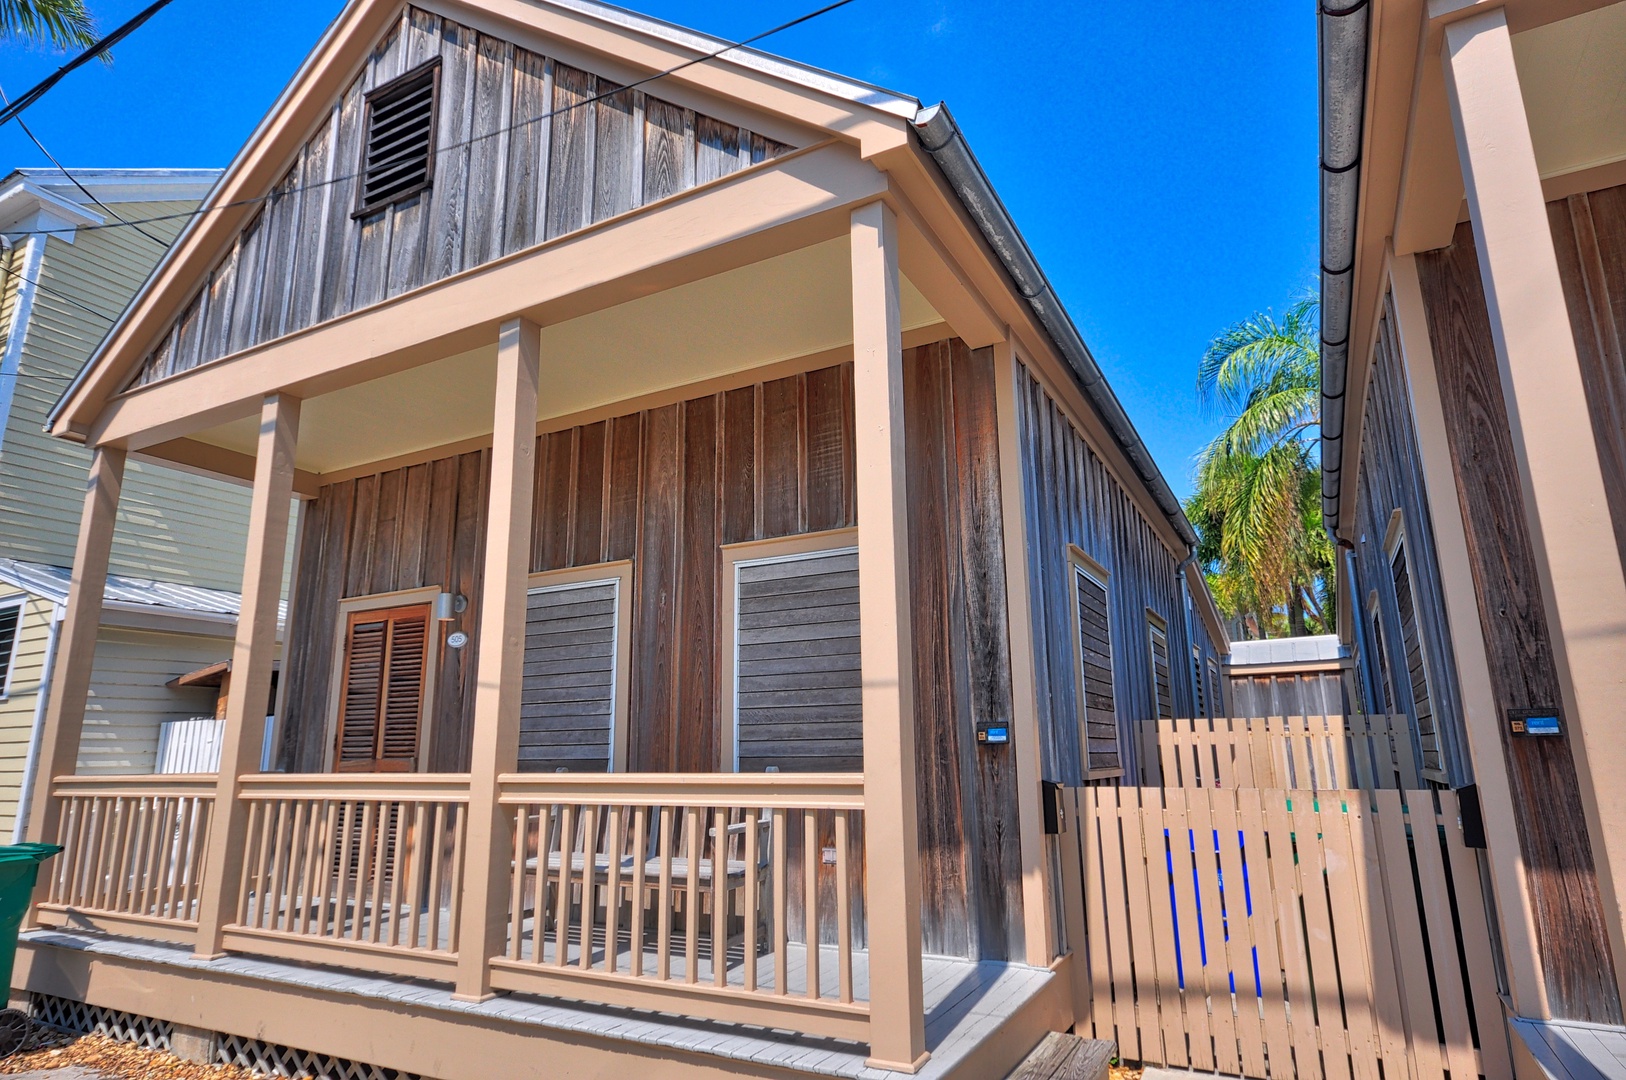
x: 737, y: 895
x: 134, y: 850
x: 353, y: 870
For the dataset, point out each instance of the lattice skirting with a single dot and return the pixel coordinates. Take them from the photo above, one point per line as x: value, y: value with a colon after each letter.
x: 269, y: 1059
x: 255, y: 1055
x: 76, y: 1016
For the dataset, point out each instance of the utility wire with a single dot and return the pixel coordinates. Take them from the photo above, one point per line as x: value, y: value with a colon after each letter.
x: 106, y: 44
x: 284, y: 192
x: 162, y: 244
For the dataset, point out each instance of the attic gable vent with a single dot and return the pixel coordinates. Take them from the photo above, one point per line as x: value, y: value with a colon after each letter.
x: 398, y: 157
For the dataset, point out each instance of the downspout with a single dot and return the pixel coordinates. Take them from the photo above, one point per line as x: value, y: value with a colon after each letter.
x: 940, y: 136
x: 1344, y: 40
x: 42, y: 698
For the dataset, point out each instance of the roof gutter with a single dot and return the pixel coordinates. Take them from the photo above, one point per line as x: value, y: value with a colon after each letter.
x: 1344, y: 38
x: 940, y: 136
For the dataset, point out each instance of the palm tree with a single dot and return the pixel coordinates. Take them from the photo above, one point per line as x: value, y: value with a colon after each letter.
x: 1257, y: 507
x: 64, y: 24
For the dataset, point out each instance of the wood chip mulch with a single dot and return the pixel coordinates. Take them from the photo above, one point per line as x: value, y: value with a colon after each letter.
x: 51, y: 1049
x: 1123, y: 1072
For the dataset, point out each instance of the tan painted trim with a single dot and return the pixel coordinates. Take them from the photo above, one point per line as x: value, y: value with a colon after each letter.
x: 252, y: 655
x: 173, y: 931
x: 204, y: 459
x: 500, y: 663
x: 1038, y: 912
x: 791, y: 202
x: 891, y: 806
x: 1581, y: 181
x: 733, y: 556
x: 620, y: 572
x: 932, y: 270
x: 1303, y: 667
x: 349, y: 606
x: 1481, y: 717
x: 1583, y: 586
x: 924, y: 335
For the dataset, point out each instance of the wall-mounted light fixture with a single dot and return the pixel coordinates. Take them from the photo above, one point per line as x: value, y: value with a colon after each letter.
x: 449, y: 606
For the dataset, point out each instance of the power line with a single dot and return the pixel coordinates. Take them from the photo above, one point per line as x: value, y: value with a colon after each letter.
x: 283, y: 193
x: 164, y: 245
x: 97, y: 49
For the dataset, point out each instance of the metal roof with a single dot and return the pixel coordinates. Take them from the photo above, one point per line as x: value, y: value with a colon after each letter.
x: 52, y: 582
x: 1292, y: 650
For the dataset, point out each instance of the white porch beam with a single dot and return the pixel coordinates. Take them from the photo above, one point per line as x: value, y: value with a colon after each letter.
x: 65, y: 712
x: 252, y: 656
x: 891, y: 826
x: 1583, y: 586
x: 501, y: 658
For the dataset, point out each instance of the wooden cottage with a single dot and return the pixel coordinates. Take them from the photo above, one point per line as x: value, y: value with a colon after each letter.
x: 711, y: 531
x: 1474, y: 306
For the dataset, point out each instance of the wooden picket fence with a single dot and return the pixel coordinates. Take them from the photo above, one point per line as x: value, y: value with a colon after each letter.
x: 1316, y: 753
x: 1339, y: 935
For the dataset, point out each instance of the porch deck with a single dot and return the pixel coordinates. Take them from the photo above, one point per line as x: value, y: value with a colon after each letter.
x: 967, y: 1004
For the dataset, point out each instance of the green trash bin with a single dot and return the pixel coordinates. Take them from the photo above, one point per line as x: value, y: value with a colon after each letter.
x: 19, y: 868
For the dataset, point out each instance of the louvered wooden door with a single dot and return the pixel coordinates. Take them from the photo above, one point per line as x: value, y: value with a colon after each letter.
x: 381, y: 699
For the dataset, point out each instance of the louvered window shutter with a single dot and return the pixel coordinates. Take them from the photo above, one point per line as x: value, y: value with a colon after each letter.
x: 1099, y: 705
x: 1428, y: 732
x: 10, y: 618
x: 567, y: 698
x: 798, y: 684
x: 381, y: 699
x: 1161, y: 688
x: 398, y: 153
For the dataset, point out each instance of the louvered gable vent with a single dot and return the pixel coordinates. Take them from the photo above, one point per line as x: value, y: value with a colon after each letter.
x: 398, y: 157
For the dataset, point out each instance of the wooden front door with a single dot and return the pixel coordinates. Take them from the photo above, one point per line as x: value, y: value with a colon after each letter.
x: 381, y: 697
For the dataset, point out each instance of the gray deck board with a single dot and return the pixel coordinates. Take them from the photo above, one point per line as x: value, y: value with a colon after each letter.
x: 966, y: 1003
x: 1569, y: 1050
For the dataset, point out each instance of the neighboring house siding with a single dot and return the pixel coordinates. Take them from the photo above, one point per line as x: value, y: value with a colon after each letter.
x: 128, y: 698
x: 1391, y: 479
x: 172, y: 526
x: 1073, y: 498
x: 17, y: 708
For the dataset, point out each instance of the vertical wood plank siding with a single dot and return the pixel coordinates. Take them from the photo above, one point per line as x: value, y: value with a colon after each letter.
x: 1072, y: 498
x: 666, y: 487
x: 507, y: 176
x: 1391, y: 478
x: 1552, y: 829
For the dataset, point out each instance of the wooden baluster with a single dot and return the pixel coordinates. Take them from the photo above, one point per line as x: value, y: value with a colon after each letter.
x: 333, y: 850
x: 405, y: 818
x: 516, y: 895
x: 612, y: 897
x: 719, y: 897
x: 811, y: 857
x: 663, y: 913
x: 781, y: 933
x: 844, y: 916
x: 364, y: 868
x: 141, y: 861
x: 691, y: 922
x: 381, y: 865
x: 298, y: 857
x: 203, y: 824
x: 275, y: 899
x: 310, y: 846
x: 67, y: 825
x: 246, y: 882
x: 749, y: 909
x: 107, y: 824
x: 119, y: 886
x: 460, y: 834
x: 589, y: 904
x: 640, y: 856
x: 423, y: 825
x: 158, y: 859
x: 349, y: 823
x: 177, y: 833
x: 561, y: 918
x: 444, y: 812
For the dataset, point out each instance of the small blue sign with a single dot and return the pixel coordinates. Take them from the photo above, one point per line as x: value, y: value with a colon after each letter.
x: 1541, y: 725
x: 994, y: 735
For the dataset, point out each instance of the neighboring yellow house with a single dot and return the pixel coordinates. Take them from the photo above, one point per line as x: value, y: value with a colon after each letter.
x: 179, y: 543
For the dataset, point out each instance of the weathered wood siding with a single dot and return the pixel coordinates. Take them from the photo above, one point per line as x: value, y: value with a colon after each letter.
x: 1589, y: 235
x: 1391, y: 478
x: 665, y: 487
x: 523, y: 156
x: 1574, y: 946
x: 1072, y: 498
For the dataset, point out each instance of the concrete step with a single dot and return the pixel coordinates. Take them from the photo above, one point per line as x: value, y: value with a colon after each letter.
x: 1066, y: 1057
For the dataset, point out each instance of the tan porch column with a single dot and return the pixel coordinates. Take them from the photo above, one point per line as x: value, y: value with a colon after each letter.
x: 891, y: 830
x: 1481, y: 721
x: 251, y: 659
x: 501, y: 658
x: 65, y: 712
x: 1583, y: 586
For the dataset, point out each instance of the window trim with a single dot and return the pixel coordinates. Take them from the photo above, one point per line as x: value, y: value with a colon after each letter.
x: 620, y: 572
x: 1079, y: 563
x: 20, y: 602
x: 1156, y: 623
x: 749, y: 553
x: 1396, y: 543
x: 384, y: 93
x: 431, y: 660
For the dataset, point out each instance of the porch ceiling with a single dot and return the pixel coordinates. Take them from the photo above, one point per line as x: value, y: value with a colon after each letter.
x: 1573, y: 75
x: 781, y: 308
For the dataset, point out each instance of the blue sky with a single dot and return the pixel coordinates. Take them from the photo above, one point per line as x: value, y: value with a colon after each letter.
x: 1160, y: 158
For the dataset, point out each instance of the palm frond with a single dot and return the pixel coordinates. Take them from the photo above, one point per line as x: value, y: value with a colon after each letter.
x: 64, y: 24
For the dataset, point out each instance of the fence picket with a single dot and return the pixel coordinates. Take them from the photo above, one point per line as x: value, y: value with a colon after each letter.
x: 1216, y: 968
x: 1442, y: 937
x: 1422, y: 1038
x: 1152, y: 995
